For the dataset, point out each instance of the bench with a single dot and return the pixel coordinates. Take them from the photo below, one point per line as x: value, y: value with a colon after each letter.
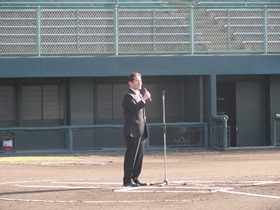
x: 154, y: 26
x: 17, y: 19
x: 106, y: 43
x: 18, y: 44
x: 20, y: 27
x: 196, y: 43
x: 18, y: 35
x: 237, y: 3
x: 84, y: 3
x: 159, y: 34
x: 242, y: 18
x: 235, y: 10
x: 260, y: 42
x: 255, y: 33
x: 251, y: 25
x: 77, y: 43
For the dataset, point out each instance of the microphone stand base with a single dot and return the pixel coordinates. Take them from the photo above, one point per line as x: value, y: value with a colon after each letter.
x: 166, y: 182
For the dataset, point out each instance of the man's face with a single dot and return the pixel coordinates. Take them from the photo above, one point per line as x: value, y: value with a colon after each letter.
x: 136, y: 84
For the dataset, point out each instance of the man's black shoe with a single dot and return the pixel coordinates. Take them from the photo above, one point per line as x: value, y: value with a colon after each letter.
x: 136, y: 181
x: 131, y: 184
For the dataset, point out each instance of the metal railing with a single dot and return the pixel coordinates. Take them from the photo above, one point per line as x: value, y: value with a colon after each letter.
x: 275, y: 121
x: 125, y: 29
x: 221, y: 131
x: 201, y: 139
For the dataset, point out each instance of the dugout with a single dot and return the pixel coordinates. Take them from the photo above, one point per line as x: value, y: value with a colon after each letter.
x: 88, y: 91
x: 63, y: 73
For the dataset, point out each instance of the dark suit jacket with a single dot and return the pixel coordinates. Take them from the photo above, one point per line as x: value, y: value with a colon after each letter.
x: 134, y: 116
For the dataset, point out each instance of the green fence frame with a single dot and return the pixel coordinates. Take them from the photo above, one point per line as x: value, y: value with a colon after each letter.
x: 116, y: 6
x: 69, y: 130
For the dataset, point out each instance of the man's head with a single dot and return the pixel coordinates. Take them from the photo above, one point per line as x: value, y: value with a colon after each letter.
x: 135, y: 81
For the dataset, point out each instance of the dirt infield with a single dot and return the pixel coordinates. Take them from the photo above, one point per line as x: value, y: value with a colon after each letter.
x: 196, y: 180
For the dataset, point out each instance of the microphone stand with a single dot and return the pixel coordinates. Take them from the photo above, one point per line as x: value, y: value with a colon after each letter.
x: 165, y: 182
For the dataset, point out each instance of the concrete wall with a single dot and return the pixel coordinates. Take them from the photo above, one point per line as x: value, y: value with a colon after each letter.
x: 22, y: 67
x: 81, y: 110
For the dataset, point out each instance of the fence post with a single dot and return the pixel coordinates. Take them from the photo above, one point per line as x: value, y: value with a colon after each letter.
x: 274, y: 134
x: 116, y: 23
x: 191, y: 22
x: 265, y: 29
x: 69, y: 140
x: 38, y: 31
x: 228, y: 30
x: 224, y: 119
x: 77, y: 31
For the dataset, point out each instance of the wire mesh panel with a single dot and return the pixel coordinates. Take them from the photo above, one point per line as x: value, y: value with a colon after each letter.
x: 153, y: 30
x: 244, y: 29
x: 18, y: 31
x: 220, y: 135
x: 114, y: 29
x: 273, y: 30
x: 97, y: 30
x: 247, y: 26
x: 178, y: 136
x: 77, y: 30
x: 188, y: 136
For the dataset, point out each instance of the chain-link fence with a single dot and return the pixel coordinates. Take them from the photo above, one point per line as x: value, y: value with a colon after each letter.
x: 119, y: 29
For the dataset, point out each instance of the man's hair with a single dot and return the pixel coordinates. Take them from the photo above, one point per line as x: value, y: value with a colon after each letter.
x: 132, y: 76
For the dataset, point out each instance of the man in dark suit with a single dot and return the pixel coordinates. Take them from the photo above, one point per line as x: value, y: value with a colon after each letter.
x: 135, y: 130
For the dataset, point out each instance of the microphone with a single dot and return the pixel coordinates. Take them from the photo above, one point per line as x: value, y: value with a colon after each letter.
x: 147, y: 91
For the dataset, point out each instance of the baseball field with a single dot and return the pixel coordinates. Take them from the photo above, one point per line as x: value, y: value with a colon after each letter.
x: 199, y: 180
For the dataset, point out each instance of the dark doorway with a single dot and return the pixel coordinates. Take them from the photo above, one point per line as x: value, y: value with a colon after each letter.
x: 226, y: 105
x: 251, y: 113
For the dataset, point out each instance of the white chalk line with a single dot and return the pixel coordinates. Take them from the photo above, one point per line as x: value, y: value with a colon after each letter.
x: 250, y: 194
x: 166, y: 189
x: 98, y: 201
x: 86, y: 183
x: 46, y: 180
x: 56, y: 186
x: 171, y: 189
x: 75, y: 163
x: 198, y: 187
x: 116, y: 186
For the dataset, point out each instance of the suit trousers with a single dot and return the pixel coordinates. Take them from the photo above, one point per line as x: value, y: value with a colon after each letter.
x: 133, y: 158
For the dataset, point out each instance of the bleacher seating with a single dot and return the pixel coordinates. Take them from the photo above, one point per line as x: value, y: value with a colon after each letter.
x: 249, y: 25
x: 94, y: 30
